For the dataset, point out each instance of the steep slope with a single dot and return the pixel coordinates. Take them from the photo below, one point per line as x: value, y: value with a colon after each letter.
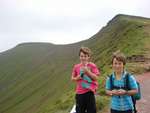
x: 129, y: 34
x: 32, y: 74
x: 35, y: 77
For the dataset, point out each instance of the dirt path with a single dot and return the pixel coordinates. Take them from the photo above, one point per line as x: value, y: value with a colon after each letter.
x: 143, y: 105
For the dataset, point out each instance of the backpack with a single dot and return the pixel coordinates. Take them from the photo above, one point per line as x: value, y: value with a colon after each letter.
x: 134, y: 97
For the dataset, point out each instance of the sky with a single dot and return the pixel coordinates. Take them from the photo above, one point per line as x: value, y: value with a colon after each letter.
x: 60, y: 21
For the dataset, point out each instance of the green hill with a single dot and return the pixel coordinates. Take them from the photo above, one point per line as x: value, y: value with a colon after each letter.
x: 35, y: 77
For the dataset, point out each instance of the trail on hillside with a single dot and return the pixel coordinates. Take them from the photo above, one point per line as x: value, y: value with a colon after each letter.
x: 143, y: 105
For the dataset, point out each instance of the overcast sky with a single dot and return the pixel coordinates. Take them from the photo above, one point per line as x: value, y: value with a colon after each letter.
x: 60, y: 21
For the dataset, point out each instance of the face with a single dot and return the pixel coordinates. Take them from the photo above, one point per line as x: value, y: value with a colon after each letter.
x: 117, y: 66
x: 84, y: 58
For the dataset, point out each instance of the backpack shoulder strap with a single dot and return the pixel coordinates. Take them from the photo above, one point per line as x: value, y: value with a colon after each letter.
x: 128, y: 88
x: 111, y: 81
x: 127, y: 82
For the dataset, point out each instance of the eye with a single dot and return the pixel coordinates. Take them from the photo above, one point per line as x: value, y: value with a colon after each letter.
x: 82, y: 56
x: 120, y: 63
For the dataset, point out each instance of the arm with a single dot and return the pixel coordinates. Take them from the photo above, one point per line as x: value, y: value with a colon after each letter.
x: 121, y: 92
x: 132, y: 92
x: 93, y: 73
x: 114, y: 92
x: 75, y: 78
x: 125, y: 92
x: 109, y: 92
x: 134, y: 88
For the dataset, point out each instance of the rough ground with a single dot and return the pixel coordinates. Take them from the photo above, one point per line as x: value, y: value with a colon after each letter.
x: 143, y: 105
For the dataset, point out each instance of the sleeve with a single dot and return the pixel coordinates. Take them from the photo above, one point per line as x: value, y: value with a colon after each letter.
x: 95, y: 70
x: 107, y: 84
x: 74, y: 72
x: 133, y: 83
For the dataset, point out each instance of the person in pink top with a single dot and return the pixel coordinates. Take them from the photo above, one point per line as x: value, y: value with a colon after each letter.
x: 85, y: 74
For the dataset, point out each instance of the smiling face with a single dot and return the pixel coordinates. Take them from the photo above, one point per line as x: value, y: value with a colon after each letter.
x: 84, y: 55
x: 118, y: 66
x: 118, y: 62
x: 84, y: 58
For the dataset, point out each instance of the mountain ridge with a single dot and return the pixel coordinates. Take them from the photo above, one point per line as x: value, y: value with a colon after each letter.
x: 35, y: 77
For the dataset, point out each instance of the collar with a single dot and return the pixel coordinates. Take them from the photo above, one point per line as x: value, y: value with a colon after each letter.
x: 122, y: 75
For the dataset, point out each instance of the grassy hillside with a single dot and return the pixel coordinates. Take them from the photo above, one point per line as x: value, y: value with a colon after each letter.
x: 35, y: 77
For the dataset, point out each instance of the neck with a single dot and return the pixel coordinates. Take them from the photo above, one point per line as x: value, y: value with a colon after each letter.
x: 84, y: 63
x: 118, y: 74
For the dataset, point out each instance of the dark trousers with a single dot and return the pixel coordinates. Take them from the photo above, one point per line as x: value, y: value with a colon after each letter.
x: 85, y: 103
x: 115, y: 111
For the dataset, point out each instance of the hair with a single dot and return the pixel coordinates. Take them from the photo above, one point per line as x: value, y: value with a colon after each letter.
x: 85, y: 50
x: 119, y: 56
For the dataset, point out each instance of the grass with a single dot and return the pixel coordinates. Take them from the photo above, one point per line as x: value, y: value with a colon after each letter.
x: 35, y: 77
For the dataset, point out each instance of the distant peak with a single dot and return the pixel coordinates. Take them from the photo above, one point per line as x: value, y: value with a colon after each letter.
x: 124, y: 16
x: 120, y: 17
x: 33, y: 43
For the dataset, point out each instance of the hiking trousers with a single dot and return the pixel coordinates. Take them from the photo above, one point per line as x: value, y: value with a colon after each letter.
x: 85, y: 103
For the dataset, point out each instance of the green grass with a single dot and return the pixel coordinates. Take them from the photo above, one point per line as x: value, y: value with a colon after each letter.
x: 35, y: 77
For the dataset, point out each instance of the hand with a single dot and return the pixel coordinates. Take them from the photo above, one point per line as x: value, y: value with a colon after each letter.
x: 78, y: 77
x: 85, y: 69
x: 114, y: 92
x: 122, y: 92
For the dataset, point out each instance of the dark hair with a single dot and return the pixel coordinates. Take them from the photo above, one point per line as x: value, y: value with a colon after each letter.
x: 85, y: 50
x: 119, y: 56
